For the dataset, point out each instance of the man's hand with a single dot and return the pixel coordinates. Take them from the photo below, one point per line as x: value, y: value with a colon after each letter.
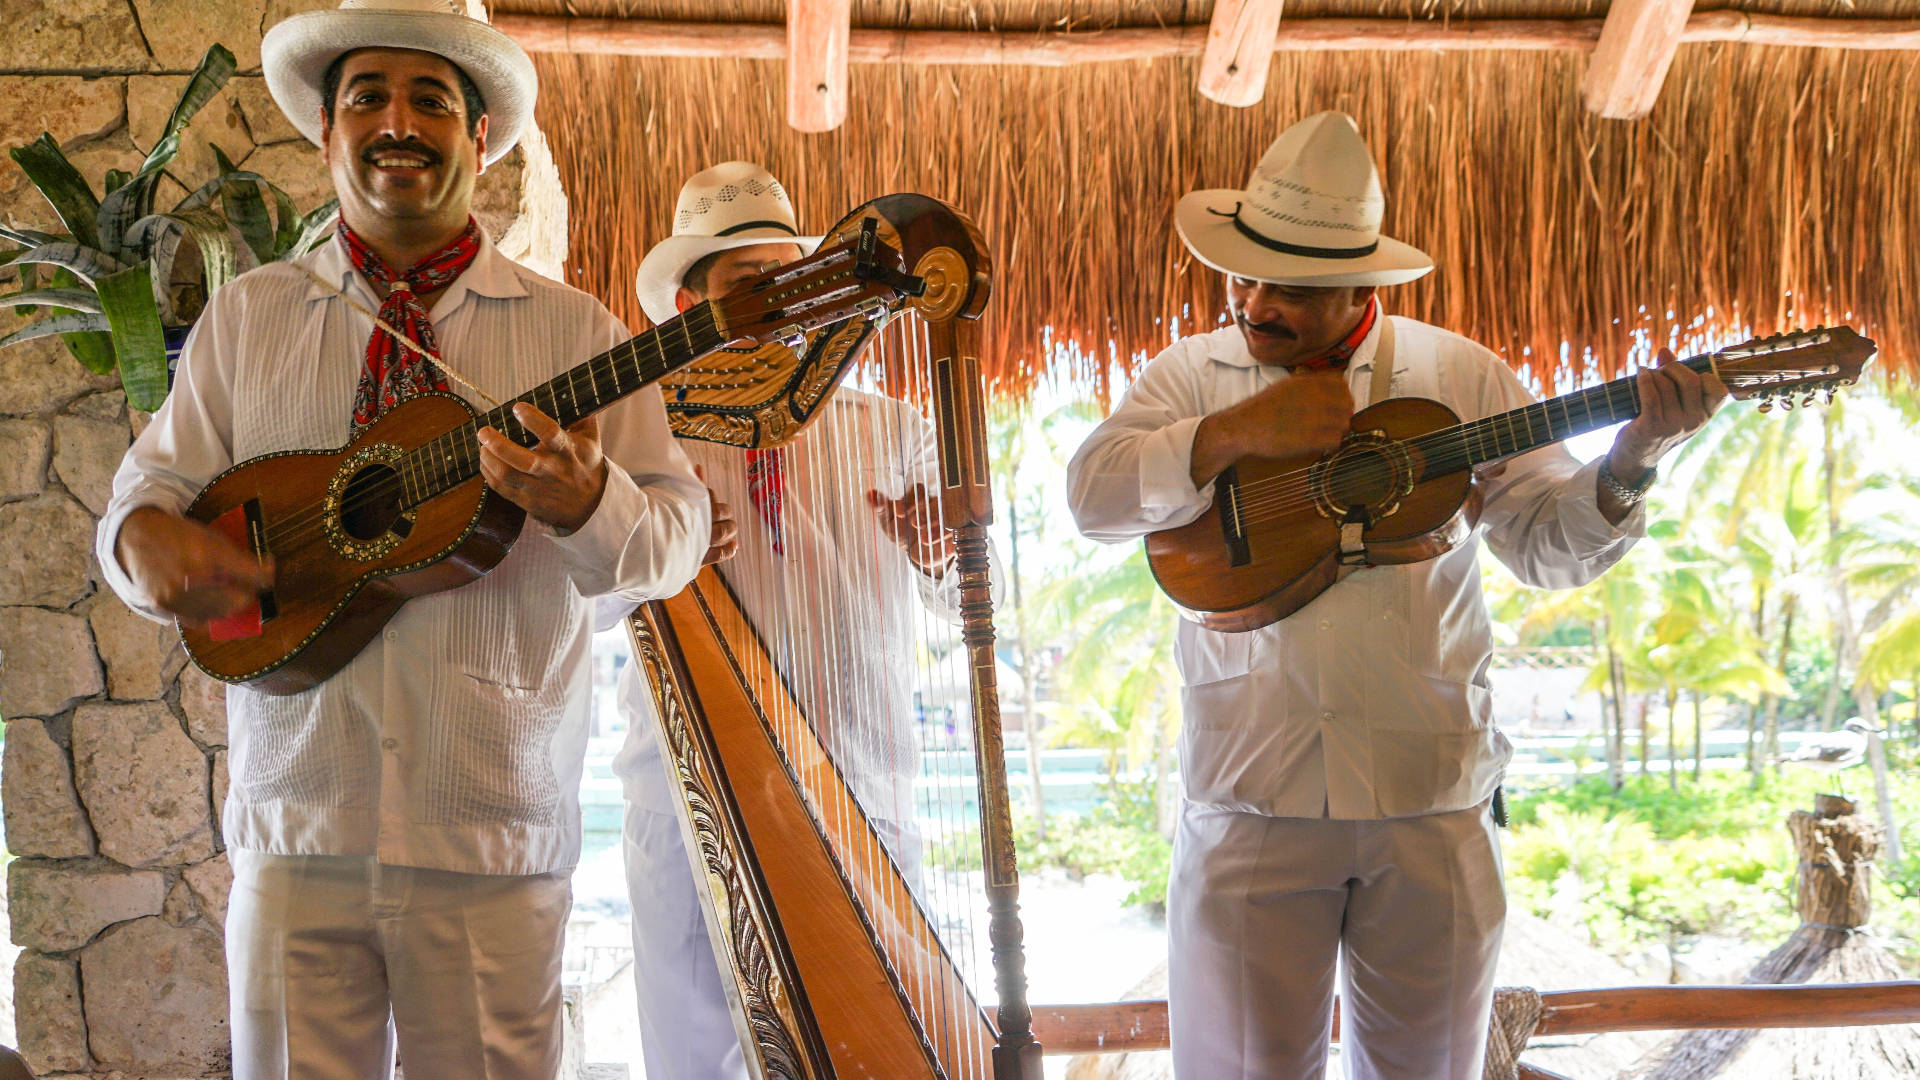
x: 913, y: 523
x: 723, y: 542
x: 192, y: 572
x: 1675, y: 403
x: 1299, y: 416
x: 558, y: 480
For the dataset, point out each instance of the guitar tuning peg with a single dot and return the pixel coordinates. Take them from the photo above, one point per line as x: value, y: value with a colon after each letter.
x: 1806, y: 402
x: 1786, y: 402
x: 1829, y: 393
x: 1766, y: 404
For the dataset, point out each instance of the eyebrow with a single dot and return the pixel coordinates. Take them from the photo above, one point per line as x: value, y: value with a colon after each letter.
x: 380, y: 77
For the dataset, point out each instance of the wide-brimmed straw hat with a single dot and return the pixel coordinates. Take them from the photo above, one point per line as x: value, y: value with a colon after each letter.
x: 732, y: 205
x: 295, y: 55
x: 1310, y: 215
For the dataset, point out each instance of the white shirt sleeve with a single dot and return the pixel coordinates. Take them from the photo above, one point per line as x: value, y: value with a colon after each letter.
x: 1541, y: 509
x: 1132, y: 475
x: 187, y: 444
x: 646, y: 537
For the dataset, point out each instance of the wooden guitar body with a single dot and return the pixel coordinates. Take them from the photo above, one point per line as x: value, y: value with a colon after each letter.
x: 347, y: 554
x: 1272, y: 541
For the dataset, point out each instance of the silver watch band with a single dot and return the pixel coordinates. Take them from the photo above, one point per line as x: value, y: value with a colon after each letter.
x: 1625, y: 492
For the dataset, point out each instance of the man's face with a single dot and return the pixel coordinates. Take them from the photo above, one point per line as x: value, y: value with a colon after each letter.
x: 398, y: 146
x: 1285, y: 325
x: 737, y: 267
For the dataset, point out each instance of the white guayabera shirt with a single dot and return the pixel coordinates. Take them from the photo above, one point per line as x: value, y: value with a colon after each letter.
x: 454, y: 740
x: 1372, y: 700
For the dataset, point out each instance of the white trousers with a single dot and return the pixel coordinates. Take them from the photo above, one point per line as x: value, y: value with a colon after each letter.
x: 1262, y: 912
x: 333, y: 961
x: 686, y: 1025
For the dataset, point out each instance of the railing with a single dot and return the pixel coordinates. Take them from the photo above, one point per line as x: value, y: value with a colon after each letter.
x: 1122, y: 1026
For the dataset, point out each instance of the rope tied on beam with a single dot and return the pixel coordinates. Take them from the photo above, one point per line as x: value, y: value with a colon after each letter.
x: 1516, y: 1012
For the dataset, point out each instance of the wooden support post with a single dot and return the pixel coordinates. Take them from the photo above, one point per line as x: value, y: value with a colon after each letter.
x: 817, y: 36
x: 1636, y: 48
x: 1233, y: 71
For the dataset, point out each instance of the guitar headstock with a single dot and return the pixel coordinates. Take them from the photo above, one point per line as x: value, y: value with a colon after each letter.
x: 1799, y: 365
x: 856, y: 276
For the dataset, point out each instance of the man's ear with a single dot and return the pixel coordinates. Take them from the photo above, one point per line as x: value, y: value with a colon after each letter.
x: 326, y: 134
x: 684, y: 298
x: 480, y: 145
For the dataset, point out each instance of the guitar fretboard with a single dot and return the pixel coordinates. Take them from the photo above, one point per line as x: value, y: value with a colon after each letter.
x: 572, y: 396
x: 1477, y: 442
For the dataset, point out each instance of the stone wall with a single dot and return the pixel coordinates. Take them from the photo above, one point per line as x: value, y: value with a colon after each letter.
x: 115, y: 759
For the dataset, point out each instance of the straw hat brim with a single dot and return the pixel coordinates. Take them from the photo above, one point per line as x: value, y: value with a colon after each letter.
x: 1215, y: 241
x: 295, y: 54
x: 666, y: 265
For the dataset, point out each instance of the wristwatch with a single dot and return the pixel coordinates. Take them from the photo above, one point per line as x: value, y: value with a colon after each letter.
x: 1625, y: 492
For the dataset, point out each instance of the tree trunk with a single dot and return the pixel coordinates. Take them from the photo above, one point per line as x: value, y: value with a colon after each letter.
x: 1613, y: 722
x: 1029, y: 721
x: 1645, y: 735
x: 1673, y: 737
x: 1699, y: 747
x: 1877, y: 755
x: 1770, y: 747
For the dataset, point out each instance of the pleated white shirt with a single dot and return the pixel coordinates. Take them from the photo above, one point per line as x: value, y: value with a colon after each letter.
x: 1372, y: 701
x: 454, y: 740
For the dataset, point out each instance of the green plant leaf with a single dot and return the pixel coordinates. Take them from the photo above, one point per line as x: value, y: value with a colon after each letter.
x: 313, y: 228
x: 62, y: 186
x: 29, y: 237
x: 85, y: 261
x: 127, y: 300
x: 216, y: 67
x: 287, y: 219
x: 119, y: 210
x: 115, y: 180
x: 55, y: 324
x: 246, y: 210
x: 71, y: 299
x: 93, y: 349
x: 210, y: 231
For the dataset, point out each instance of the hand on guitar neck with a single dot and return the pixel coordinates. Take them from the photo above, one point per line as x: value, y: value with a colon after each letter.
x: 1675, y: 403
x: 191, y: 571
x: 1299, y: 416
x: 558, y: 480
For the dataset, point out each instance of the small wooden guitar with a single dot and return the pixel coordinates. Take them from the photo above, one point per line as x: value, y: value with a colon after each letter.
x: 1400, y: 487
x: 401, y: 511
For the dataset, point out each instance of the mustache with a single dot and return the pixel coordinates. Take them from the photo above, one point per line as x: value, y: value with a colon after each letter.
x: 1272, y: 329
x: 383, y: 146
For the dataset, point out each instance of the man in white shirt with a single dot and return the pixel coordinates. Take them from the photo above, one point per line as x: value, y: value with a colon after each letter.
x: 835, y: 554
x: 1338, y: 764
x: 402, y: 834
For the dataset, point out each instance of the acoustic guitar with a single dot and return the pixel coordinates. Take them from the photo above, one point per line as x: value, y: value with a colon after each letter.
x: 1400, y: 487
x: 402, y: 511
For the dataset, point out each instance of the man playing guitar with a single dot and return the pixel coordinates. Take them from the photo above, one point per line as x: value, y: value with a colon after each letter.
x: 1338, y: 764
x: 402, y: 833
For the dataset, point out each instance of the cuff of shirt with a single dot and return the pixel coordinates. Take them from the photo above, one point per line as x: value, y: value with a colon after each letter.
x: 105, y: 537
x: 600, y: 542
x: 1166, y: 468
x: 1580, y: 512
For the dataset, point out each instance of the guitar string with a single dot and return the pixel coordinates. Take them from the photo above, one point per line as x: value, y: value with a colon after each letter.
x: 298, y: 527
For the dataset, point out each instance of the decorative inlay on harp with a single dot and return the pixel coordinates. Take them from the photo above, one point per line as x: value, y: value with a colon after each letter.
x: 828, y: 703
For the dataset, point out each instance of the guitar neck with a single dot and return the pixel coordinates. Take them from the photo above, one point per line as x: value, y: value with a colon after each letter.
x: 1494, y: 438
x: 454, y: 457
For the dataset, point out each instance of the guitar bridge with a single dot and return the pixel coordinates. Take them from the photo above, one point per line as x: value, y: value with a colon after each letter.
x: 245, y: 526
x: 1232, y: 525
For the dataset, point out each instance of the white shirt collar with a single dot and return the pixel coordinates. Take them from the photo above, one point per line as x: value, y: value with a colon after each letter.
x: 491, y: 274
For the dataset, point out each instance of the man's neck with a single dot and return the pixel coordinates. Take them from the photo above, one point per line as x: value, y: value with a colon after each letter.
x: 401, y: 245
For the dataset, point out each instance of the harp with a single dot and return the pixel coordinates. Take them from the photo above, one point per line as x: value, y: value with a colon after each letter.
x: 827, y: 699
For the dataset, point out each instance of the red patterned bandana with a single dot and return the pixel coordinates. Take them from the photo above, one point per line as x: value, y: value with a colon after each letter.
x: 1336, y: 358
x: 767, y: 488
x: 393, y: 372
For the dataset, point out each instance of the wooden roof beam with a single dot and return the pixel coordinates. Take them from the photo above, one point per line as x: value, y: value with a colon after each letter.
x: 1636, y: 49
x: 1240, y: 40
x: 817, y: 35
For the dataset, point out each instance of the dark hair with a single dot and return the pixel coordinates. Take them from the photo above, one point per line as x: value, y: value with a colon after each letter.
x: 330, y: 89
x: 696, y: 276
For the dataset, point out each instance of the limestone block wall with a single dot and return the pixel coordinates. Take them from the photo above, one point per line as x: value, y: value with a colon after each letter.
x: 115, y: 751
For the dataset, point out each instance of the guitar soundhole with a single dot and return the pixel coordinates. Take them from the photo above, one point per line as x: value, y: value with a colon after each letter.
x: 371, y: 503
x: 1363, y: 478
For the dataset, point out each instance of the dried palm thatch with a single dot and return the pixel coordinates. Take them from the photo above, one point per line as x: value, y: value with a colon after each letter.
x: 1837, y: 848
x: 1771, y: 188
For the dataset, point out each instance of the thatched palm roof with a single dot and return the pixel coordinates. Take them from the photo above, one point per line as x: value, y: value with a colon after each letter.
x: 1770, y: 188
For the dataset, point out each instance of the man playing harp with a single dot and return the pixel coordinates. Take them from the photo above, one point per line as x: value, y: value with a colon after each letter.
x: 1338, y: 765
x: 834, y: 546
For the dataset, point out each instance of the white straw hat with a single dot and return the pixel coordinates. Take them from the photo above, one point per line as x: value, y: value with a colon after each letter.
x: 295, y: 55
x: 1310, y: 215
x: 732, y: 205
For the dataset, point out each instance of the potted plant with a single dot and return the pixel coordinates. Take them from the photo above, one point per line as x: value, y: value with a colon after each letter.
x: 112, y: 273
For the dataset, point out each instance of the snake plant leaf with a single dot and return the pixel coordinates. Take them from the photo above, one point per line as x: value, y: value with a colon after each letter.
x: 56, y: 324
x: 85, y: 261
x: 313, y: 228
x: 210, y: 232
x: 286, y: 219
x: 216, y: 67
x: 122, y: 207
x: 93, y: 348
x: 246, y: 210
x: 62, y: 186
x: 71, y: 299
x: 115, y: 180
x: 138, y: 341
x: 29, y: 237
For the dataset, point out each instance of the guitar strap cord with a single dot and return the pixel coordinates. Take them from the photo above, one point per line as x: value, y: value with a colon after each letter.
x: 404, y: 340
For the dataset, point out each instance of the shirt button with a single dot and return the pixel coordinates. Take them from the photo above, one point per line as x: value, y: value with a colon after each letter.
x: 1326, y: 716
x: 1326, y: 624
x: 393, y: 635
x: 390, y: 744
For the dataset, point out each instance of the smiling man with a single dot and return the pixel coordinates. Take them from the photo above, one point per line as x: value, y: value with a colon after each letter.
x: 402, y: 834
x: 1338, y: 765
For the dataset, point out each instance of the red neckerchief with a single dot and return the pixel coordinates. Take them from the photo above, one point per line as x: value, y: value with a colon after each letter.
x: 767, y: 489
x: 1336, y: 358
x: 393, y: 372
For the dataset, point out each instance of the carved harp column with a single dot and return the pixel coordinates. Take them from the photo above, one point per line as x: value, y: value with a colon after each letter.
x: 827, y: 701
